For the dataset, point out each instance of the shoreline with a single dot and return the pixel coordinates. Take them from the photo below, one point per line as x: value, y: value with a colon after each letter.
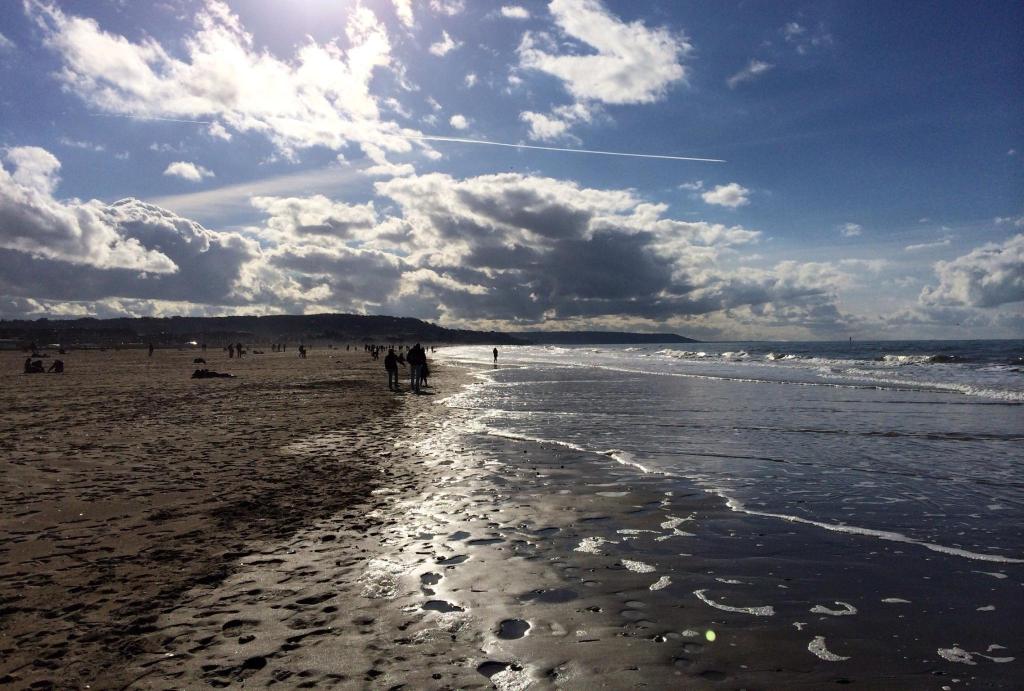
x: 487, y: 561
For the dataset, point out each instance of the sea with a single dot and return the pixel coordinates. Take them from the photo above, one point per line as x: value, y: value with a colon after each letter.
x: 916, y: 442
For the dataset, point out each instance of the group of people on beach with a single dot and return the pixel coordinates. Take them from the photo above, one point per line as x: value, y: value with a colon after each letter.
x: 37, y: 367
x: 418, y: 368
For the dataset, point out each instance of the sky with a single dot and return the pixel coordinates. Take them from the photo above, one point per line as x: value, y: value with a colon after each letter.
x: 795, y: 170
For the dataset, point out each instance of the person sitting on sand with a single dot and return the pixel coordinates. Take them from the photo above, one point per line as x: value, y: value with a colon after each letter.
x: 209, y: 374
x: 34, y: 366
x: 391, y: 365
x: 57, y: 366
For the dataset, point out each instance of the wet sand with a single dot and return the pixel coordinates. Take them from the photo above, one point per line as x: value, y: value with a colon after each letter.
x: 126, y: 484
x: 432, y: 563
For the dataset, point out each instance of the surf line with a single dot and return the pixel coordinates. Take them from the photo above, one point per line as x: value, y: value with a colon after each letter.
x: 737, y: 506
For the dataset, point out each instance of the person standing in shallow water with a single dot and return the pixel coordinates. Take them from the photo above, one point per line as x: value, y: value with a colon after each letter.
x: 495, y: 351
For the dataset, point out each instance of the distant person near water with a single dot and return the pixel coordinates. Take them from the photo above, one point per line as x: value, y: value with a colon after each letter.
x: 495, y: 352
x: 150, y: 350
x: 231, y: 350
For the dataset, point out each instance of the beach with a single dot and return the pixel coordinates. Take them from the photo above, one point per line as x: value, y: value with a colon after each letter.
x: 300, y: 526
x: 126, y: 484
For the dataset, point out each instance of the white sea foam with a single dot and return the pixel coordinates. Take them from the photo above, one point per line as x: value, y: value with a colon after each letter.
x: 895, y: 601
x: 817, y: 646
x: 847, y: 610
x: 590, y: 545
x: 661, y: 583
x: 764, y: 611
x: 637, y: 566
x: 736, y: 505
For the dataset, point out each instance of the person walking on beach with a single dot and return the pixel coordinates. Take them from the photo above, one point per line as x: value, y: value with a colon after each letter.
x: 150, y: 350
x: 231, y: 350
x: 495, y: 352
x: 238, y: 349
x: 391, y: 365
x: 416, y: 358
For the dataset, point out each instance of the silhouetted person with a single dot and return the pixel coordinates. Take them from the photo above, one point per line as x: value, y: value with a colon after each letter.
x: 424, y: 373
x: 209, y: 374
x: 57, y: 366
x: 231, y: 350
x: 34, y: 366
x: 495, y: 351
x: 28, y: 365
x: 391, y: 366
x: 416, y: 358
x: 150, y: 350
x: 238, y: 349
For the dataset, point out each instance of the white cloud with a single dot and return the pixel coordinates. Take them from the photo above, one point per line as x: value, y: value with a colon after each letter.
x: 403, y: 9
x: 514, y: 12
x: 321, y: 97
x: 731, y: 195
x: 445, y: 45
x: 804, y: 39
x: 1015, y: 221
x: 927, y: 245
x: 987, y: 276
x: 557, y: 124
x: 630, y: 63
x: 6, y: 43
x: 448, y: 7
x: 850, y: 230
x: 459, y: 122
x: 219, y: 131
x: 34, y: 223
x: 749, y: 73
x: 298, y: 218
x: 470, y: 80
x: 187, y: 170
x: 1011, y: 152
x: 79, y: 144
x: 694, y: 186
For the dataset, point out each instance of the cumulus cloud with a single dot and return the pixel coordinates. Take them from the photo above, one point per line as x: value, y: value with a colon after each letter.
x: 515, y: 12
x: 445, y: 45
x: 403, y: 10
x: 34, y: 223
x: 749, y: 73
x: 558, y: 123
x: 501, y: 250
x: 631, y: 63
x: 321, y: 97
x: 731, y: 195
x: 987, y: 276
x: 850, y: 230
x: 448, y: 7
x: 294, y: 218
x: 458, y: 121
x: 187, y: 170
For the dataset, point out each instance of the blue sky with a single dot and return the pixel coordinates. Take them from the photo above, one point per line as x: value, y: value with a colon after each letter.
x: 203, y: 157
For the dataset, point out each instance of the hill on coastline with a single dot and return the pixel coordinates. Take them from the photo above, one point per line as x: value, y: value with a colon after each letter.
x: 307, y: 328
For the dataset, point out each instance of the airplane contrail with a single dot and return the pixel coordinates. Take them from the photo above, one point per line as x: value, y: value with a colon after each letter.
x: 149, y: 117
x: 460, y: 140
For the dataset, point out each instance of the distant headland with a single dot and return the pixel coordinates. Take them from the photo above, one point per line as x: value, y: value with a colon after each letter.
x: 309, y: 328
